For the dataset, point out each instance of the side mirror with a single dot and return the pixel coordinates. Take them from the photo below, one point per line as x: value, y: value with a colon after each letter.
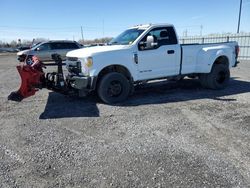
x: 150, y: 42
x: 37, y: 49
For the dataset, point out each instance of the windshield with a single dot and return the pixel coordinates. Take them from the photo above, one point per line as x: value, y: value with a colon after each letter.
x: 127, y: 37
x: 35, y: 45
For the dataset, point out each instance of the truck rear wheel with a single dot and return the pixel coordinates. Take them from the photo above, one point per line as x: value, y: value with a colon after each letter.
x: 218, y: 78
x: 113, y: 88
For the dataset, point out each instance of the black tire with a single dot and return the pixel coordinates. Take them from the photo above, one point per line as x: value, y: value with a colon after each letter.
x: 218, y: 78
x: 203, y: 80
x: 113, y: 88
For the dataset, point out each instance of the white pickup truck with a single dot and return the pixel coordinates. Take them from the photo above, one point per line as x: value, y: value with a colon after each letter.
x: 147, y: 52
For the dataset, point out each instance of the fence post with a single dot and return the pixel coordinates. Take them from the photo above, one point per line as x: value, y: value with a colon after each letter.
x: 227, y: 38
x: 203, y: 40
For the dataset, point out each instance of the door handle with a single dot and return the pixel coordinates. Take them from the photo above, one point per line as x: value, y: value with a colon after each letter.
x: 170, y: 51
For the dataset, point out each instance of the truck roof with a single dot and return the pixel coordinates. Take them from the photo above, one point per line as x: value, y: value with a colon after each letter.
x: 146, y: 26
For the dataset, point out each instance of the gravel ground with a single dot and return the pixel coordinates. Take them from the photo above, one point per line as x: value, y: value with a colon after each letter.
x: 166, y: 135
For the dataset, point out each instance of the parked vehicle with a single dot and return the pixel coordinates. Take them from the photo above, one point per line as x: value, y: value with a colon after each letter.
x: 44, y: 50
x: 4, y: 50
x: 148, y: 52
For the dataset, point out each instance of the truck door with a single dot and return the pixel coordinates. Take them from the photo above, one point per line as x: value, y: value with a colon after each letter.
x: 162, y: 57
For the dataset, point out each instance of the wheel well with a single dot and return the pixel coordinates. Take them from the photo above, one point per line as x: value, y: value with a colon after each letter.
x: 114, y: 68
x: 222, y: 60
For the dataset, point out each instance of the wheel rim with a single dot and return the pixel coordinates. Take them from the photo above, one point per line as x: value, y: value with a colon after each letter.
x: 29, y: 61
x: 221, y: 77
x: 114, y: 89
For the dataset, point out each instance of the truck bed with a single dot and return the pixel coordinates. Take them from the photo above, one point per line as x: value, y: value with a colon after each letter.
x: 197, y: 58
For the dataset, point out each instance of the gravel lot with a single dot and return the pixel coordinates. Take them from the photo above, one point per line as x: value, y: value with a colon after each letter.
x: 166, y: 135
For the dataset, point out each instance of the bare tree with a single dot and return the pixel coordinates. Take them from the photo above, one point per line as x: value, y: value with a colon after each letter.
x: 95, y: 41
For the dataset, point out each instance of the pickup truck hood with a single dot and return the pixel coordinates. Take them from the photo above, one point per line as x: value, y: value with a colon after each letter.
x: 86, y: 52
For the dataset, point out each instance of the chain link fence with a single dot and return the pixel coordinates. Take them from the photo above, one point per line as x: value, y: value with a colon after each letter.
x: 242, y: 39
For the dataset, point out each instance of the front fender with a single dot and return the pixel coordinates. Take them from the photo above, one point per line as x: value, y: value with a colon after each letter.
x: 123, y: 59
x: 95, y: 72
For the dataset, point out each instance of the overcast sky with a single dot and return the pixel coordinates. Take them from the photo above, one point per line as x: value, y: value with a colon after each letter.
x: 62, y: 19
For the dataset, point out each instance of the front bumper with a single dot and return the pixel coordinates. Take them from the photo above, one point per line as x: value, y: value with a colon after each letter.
x: 82, y: 83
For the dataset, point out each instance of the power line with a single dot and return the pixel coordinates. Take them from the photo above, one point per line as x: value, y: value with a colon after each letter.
x: 62, y: 28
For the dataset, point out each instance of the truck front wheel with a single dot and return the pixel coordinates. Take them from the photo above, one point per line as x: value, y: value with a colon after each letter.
x: 218, y: 78
x: 113, y: 88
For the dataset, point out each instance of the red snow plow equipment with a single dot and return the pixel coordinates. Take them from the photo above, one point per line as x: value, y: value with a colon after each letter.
x: 33, y: 78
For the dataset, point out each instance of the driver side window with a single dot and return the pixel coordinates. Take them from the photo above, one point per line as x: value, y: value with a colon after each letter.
x: 161, y: 36
x: 143, y: 42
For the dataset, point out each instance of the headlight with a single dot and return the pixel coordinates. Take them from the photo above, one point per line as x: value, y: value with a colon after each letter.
x: 89, y: 62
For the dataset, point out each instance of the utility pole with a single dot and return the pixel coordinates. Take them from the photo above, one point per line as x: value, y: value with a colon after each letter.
x: 238, y: 30
x: 82, y: 33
